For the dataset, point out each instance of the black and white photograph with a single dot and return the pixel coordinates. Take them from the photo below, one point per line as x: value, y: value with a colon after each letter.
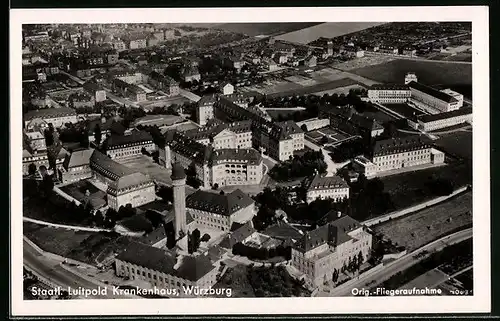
x: 300, y: 162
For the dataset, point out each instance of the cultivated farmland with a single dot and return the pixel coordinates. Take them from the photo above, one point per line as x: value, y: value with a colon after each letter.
x: 413, y: 231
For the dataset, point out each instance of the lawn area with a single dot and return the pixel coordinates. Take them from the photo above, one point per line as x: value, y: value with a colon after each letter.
x: 457, y: 143
x: 407, y: 189
x: 78, y: 245
x: 412, y: 231
x: 77, y: 190
x: 429, y: 73
x: 55, y: 209
x: 236, y: 279
x: 146, y: 166
x: 316, y: 88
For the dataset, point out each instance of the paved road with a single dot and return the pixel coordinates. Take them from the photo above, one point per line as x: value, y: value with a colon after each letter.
x: 398, y: 265
x: 51, y: 270
x: 74, y: 78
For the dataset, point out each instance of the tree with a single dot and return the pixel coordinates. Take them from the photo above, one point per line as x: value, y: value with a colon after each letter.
x: 360, y: 260
x: 222, y: 192
x: 97, y: 134
x: 304, y: 127
x: 205, y: 238
x: 195, y: 239
x: 323, y: 140
x: 31, y: 169
x: 215, y: 186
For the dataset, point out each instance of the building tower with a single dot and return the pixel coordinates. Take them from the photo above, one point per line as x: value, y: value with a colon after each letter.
x: 179, y: 186
x: 409, y: 77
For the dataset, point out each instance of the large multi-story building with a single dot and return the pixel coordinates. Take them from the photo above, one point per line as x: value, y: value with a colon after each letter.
x: 223, y: 135
x: 96, y: 90
x: 129, y: 90
x: 389, y: 93
x: 329, y: 248
x: 347, y: 120
x: 326, y: 187
x: 205, y: 109
x: 397, y: 153
x: 76, y: 166
x: 172, y: 274
x: 128, y: 145
x: 214, y: 166
x: 58, y: 117
x: 219, y: 212
x: 124, y: 186
x: 163, y: 83
x: 442, y: 120
x: 432, y: 100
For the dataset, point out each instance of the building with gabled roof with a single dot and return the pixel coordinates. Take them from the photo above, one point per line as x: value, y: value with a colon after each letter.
x: 216, y: 211
x: 129, y: 145
x: 326, y: 187
x: 164, y: 269
x: 76, y: 166
x: 58, y: 117
x: 330, y: 247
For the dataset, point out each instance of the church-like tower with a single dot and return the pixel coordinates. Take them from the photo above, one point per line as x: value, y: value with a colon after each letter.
x: 179, y: 187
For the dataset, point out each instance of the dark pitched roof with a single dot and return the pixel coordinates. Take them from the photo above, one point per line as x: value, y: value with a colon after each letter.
x: 239, y: 233
x: 100, y: 161
x: 207, y: 100
x: 191, y: 268
x: 326, y: 182
x: 250, y: 156
x: 178, y: 171
x: 136, y: 223
x: 149, y: 257
x: 78, y: 158
x: 226, y: 204
x: 137, y: 136
x: 282, y: 230
x: 194, y: 268
x: 400, y: 144
x: 154, y: 236
x: 433, y: 92
x: 454, y: 113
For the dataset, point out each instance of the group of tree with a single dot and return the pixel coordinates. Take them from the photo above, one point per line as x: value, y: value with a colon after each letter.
x: 123, y: 212
x: 194, y: 240
x: 274, y: 282
x: 353, y: 264
x: 166, y: 193
x: 262, y: 253
x: 348, y: 150
x: 368, y: 198
x: 191, y: 178
x: 310, y: 163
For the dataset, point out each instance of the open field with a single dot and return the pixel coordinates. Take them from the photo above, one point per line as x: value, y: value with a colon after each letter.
x: 316, y: 88
x: 407, y: 189
x: 457, y: 143
x: 145, y: 165
x: 412, y: 231
x: 455, y: 76
x: 87, y: 247
x: 327, y: 29
x: 363, y: 62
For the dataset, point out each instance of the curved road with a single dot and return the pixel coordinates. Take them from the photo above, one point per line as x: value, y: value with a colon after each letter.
x: 398, y: 265
x: 51, y: 270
